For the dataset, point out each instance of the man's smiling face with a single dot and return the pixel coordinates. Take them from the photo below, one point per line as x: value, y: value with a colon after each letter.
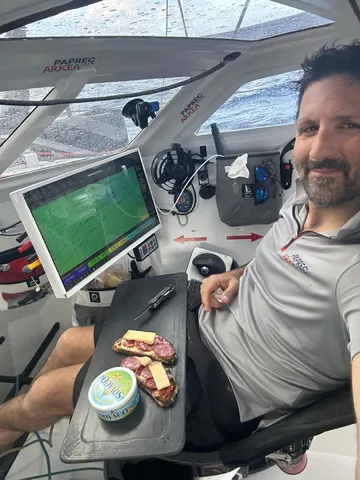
x: 327, y: 148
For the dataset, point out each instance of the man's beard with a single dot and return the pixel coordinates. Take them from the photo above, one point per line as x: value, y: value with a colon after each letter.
x: 325, y: 192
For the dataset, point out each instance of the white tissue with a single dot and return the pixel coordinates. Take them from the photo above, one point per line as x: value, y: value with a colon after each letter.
x: 238, y: 168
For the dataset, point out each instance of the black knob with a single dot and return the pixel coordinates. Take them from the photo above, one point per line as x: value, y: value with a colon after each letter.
x: 204, y: 270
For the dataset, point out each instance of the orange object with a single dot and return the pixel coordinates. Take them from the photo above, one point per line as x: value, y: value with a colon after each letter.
x: 33, y: 265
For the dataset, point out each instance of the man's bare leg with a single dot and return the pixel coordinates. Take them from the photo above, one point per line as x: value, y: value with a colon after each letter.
x: 75, y: 346
x: 49, y: 399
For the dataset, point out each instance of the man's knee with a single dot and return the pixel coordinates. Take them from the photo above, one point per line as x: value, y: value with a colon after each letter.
x: 52, y: 393
x: 75, y: 345
x: 42, y: 400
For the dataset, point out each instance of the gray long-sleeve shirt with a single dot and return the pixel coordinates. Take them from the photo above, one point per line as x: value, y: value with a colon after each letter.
x: 289, y: 335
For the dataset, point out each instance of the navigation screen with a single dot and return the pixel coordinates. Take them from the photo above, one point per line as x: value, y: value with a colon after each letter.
x: 88, y: 218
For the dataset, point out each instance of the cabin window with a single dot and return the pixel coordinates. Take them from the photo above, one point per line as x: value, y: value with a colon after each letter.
x: 84, y: 130
x: 265, y: 102
x: 242, y: 20
x: 10, y: 116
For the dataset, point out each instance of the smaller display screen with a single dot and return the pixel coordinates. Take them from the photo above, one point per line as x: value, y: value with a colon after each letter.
x: 89, y: 217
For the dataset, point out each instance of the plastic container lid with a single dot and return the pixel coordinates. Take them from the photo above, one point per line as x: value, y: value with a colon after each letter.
x: 112, y: 389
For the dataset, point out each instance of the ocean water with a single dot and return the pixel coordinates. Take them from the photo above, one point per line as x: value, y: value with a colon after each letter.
x: 261, y: 103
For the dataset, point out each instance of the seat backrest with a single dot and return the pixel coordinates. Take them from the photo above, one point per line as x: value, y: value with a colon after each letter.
x: 332, y: 411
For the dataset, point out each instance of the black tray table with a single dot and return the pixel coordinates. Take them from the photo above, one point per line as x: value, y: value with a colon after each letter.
x: 150, y: 430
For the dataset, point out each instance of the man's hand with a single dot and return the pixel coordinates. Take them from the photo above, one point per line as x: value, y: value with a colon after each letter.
x: 228, y: 281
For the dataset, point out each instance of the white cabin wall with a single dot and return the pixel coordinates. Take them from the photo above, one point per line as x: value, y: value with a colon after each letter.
x: 255, y: 63
x: 203, y: 222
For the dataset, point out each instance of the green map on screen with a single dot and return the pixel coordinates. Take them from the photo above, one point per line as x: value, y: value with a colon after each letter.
x: 79, y: 224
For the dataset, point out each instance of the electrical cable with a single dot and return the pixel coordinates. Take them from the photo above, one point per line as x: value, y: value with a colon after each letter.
x: 181, y: 223
x: 40, y: 103
x: 62, y: 472
x: 168, y: 212
x: 200, y: 157
x: 10, y: 227
x: 47, y: 457
x: 9, y: 234
x: 180, y: 214
x: 18, y: 449
x: 40, y: 440
x: 4, y: 231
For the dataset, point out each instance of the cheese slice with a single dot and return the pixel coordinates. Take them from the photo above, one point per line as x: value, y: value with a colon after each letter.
x: 146, y: 337
x: 159, y: 375
x: 145, y: 361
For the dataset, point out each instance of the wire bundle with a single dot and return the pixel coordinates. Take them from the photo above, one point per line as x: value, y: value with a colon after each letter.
x: 157, y: 179
x: 172, y: 170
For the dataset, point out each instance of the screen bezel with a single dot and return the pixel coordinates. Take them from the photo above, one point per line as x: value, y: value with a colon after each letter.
x: 39, y: 244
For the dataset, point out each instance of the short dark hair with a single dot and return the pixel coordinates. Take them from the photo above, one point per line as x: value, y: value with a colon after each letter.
x: 328, y: 61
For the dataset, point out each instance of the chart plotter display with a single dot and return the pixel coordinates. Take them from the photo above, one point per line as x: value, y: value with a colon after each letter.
x: 90, y: 217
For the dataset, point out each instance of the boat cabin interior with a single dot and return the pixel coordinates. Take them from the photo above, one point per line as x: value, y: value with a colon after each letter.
x: 199, y: 98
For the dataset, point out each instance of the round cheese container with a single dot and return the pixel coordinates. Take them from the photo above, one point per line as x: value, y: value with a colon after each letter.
x: 114, y: 394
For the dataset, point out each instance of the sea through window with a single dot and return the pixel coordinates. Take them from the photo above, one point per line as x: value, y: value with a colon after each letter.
x: 261, y: 103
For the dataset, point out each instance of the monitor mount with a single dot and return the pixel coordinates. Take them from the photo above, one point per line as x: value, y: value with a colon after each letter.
x: 139, y: 111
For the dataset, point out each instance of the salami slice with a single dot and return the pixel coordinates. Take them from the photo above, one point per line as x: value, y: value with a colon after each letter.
x: 164, y: 350
x: 132, y: 363
x: 169, y: 375
x: 145, y: 347
x: 159, y: 339
x: 151, y: 384
x: 129, y: 343
x: 146, y: 373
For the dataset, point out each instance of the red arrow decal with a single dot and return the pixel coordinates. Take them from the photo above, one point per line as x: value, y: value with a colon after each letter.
x: 253, y: 237
x: 183, y: 239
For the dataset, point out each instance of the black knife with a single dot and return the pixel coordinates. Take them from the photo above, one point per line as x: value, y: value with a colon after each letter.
x: 155, y: 302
